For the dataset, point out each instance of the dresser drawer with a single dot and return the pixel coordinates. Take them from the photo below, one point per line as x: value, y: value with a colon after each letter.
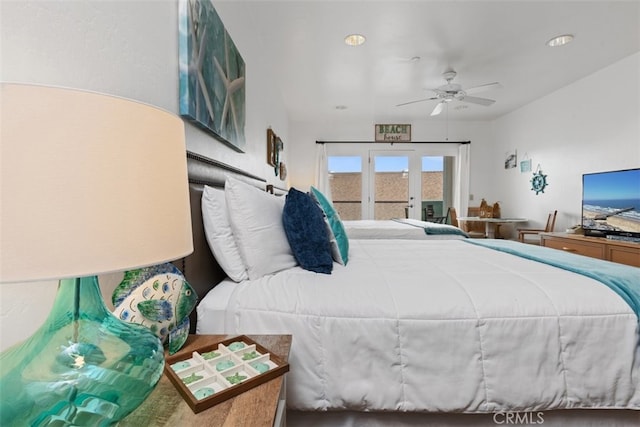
x: 620, y: 251
x: 629, y: 256
x: 581, y: 248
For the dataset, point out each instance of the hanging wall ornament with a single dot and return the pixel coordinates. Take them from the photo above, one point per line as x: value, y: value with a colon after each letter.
x: 279, y: 146
x: 538, y: 181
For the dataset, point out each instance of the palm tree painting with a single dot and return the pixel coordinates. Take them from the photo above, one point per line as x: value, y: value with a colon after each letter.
x: 212, y: 74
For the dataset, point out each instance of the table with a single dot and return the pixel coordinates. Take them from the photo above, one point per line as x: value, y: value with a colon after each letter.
x: 488, y: 222
x: 259, y: 406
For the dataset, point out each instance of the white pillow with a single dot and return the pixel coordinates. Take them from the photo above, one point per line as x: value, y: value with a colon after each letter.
x: 219, y: 235
x: 256, y: 221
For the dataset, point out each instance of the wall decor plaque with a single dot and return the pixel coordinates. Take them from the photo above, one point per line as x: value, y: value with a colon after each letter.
x: 393, y: 133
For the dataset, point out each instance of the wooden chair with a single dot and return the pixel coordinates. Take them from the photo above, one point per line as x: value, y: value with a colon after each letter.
x: 474, y: 229
x: 454, y: 221
x: 523, y: 232
x: 453, y: 216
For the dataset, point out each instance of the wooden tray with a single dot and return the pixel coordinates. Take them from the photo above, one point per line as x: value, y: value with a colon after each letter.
x: 222, y: 370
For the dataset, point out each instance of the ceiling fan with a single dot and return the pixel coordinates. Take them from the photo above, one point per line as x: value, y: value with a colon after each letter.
x: 453, y: 91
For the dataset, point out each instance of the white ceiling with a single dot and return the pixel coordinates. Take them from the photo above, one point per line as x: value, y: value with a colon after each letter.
x: 484, y: 41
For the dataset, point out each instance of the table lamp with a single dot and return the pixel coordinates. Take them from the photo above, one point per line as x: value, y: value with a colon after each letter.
x: 90, y: 184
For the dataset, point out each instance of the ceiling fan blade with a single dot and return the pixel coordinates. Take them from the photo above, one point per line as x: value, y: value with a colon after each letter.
x: 483, y: 88
x: 438, y: 109
x: 480, y: 101
x: 419, y: 100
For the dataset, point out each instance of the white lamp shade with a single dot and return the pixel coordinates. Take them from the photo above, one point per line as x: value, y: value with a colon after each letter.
x: 89, y: 184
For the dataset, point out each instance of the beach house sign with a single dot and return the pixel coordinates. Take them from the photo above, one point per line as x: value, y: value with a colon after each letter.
x: 393, y: 133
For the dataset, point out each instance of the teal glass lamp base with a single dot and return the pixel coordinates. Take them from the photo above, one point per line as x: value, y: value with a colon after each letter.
x: 84, y: 366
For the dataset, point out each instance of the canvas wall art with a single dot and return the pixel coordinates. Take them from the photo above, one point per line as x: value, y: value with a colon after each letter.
x: 212, y: 74
x: 510, y: 159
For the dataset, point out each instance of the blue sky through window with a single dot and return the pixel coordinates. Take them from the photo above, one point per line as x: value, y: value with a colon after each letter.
x: 345, y: 164
x: 339, y: 164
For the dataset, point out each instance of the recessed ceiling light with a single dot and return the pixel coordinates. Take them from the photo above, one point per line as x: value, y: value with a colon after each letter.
x: 560, y: 40
x: 354, y: 39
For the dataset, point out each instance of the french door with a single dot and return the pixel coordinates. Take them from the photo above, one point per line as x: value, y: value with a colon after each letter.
x: 392, y: 183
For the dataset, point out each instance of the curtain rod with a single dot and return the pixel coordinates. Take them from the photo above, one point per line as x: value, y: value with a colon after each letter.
x: 393, y: 142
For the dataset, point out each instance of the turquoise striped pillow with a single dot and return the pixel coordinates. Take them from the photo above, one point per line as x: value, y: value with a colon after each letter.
x: 338, y: 235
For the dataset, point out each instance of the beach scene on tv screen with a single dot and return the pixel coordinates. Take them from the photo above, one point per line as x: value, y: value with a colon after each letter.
x: 611, y: 201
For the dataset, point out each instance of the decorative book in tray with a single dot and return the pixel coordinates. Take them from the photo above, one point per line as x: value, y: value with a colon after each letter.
x: 222, y: 370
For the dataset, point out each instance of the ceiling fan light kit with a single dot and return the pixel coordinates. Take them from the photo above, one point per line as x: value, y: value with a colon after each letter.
x: 454, y: 92
x: 560, y: 40
x: 355, y: 39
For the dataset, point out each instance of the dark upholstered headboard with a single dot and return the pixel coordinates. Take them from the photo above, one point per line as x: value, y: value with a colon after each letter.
x: 200, y: 268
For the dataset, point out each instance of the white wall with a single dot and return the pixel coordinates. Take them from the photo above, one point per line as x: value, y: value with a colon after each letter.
x: 591, y: 125
x: 129, y: 49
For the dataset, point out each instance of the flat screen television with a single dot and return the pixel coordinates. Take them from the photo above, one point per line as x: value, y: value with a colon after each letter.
x: 611, y: 203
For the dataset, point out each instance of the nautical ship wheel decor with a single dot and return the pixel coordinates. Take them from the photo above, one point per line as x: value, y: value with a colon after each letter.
x: 538, y: 181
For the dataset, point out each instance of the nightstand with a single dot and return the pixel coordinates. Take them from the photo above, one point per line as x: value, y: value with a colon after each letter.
x: 263, y: 405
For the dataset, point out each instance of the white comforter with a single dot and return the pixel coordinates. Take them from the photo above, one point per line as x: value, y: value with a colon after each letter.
x: 443, y: 326
x: 404, y: 229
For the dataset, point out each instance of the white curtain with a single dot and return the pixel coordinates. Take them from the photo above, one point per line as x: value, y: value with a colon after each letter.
x: 461, y: 189
x: 322, y: 171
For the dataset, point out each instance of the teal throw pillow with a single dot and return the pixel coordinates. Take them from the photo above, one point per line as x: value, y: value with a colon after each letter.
x: 338, y: 235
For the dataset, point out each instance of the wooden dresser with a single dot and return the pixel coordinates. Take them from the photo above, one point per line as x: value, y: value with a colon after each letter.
x: 596, y: 247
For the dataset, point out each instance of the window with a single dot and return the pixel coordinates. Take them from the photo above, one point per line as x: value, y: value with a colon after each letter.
x: 432, y: 185
x: 405, y: 180
x: 345, y: 181
x: 390, y: 196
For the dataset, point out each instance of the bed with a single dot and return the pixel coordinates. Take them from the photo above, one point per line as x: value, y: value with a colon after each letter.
x: 401, y: 228
x: 413, y: 332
